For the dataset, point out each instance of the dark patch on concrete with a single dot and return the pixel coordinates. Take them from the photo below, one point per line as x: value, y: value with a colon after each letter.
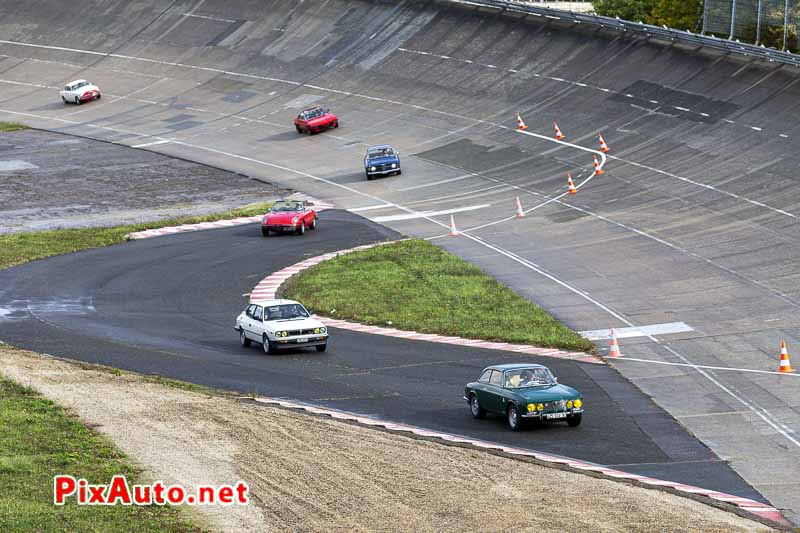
x: 668, y: 99
x: 239, y: 96
x: 179, y: 118
x: 566, y: 215
x: 185, y: 125
x: 465, y: 153
x: 224, y: 34
x: 225, y: 85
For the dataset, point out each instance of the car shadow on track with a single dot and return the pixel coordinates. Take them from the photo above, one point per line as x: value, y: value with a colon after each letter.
x: 283, y: 136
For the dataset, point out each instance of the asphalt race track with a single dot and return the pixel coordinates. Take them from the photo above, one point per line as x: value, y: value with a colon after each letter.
x: 166, y: 306
x: 694, y: 221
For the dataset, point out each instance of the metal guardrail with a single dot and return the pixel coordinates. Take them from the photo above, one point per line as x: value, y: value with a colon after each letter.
x: 658, y: 32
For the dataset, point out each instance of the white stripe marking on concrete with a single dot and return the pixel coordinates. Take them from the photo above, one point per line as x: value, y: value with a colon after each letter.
x: 690, y: 365
x: 639, y: 331
x: 163, y: 141
x: 426, y: 214
x: 370, y: 208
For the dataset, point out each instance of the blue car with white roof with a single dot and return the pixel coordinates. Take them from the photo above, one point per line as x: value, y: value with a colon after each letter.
x: 381, y: 160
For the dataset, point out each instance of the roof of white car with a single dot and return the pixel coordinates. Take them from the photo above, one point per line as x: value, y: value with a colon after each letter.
x: 74, y: 82
x: 266, y: 303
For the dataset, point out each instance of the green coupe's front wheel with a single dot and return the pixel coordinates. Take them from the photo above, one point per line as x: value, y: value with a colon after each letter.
x: 574, y: 420
x: 514, y: 420
x: 475, y: 407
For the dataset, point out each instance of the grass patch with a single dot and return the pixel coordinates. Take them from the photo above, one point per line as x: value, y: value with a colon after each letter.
x: 39, y: 439
x: 18, y: 248
x: 11, y: 126
x: 414, y: 285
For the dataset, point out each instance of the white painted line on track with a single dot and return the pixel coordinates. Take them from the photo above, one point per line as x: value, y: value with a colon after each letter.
x: 154, y: 143
x: 217, y: 19
x: 435, y: 183
x: 707, y: 367
x: 639, y: 331
x: 426, y: 214
x: 370, y: 208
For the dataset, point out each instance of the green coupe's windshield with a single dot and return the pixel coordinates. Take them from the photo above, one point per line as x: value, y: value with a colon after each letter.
x: 285, y: 312
x: 528, y: 377
x: 286, y: 207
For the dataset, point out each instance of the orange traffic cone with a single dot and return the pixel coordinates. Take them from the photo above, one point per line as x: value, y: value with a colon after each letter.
x: 603, y: 145
x: 786, y: 366
x: 520, y: 212
x: 521, y: 124
x: 597, y: 168
x: 453, y: 230
x: 613, y: 349
x: 572, y: 189
x: 559, y: 135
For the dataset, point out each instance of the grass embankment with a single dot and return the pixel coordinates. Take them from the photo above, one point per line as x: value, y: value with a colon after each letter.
x: 38, y: 440
x: 18, y: 248
x: 414, y: 285
x: 11, y: 126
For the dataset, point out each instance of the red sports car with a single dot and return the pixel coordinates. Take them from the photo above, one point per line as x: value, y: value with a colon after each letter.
x: 288, y: 216
x: 315, y: 120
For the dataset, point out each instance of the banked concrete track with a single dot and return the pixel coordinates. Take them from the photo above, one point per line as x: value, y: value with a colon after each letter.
x: 695, y: 219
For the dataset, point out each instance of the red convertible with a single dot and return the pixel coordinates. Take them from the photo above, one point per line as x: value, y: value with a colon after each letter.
x: 288, y: 216
x: 315, y: 120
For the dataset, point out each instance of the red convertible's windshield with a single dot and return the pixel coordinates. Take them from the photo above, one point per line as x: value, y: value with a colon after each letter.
x: 313, y: 113
x: 528, y: 377
x: 286, y: 207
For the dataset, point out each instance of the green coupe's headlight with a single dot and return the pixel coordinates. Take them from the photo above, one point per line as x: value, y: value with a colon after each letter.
x: 569, y: 404
x: 280, y: 333
x: 540, y: 407
x: 531, y: 407
x: 323, y: 329
x: 577, y: 403
x: 316, y: 330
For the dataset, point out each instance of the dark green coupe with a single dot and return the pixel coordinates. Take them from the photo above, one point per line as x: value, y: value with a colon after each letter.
x: 522, y: 392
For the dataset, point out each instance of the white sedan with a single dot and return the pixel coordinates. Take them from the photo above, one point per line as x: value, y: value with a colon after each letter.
x: 80, y: 91
x: 277, y: 324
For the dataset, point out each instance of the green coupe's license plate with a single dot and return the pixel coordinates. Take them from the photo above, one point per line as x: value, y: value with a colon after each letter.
x: 302, y: 339
x: 557, y: 415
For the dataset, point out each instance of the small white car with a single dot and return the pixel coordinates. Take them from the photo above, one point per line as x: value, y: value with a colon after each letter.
x: 80, y: 91
x: 277, y: 324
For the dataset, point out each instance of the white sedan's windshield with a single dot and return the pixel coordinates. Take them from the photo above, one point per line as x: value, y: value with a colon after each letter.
x: 528, y: 377
x: 285, y: 312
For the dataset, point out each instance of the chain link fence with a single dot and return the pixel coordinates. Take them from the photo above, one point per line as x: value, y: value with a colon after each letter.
x: 771, y: 23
